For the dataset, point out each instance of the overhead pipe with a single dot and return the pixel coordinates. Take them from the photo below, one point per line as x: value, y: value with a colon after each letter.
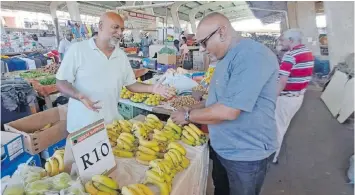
x: 175, y: 13
x: 145, y: 6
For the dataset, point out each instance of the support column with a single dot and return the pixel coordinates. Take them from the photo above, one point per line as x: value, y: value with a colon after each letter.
x: 302, y: 15
x: 175, y: 13
x: 53, y: 9
x: 73, y: 9
x: 340, y: 30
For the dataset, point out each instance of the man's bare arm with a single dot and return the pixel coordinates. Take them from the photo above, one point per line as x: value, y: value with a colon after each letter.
x: 282, y: 84
x: 67, y: 89
x: 140, y: 88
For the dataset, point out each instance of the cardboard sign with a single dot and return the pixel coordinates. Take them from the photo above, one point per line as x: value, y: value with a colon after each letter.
x: 92, y: 150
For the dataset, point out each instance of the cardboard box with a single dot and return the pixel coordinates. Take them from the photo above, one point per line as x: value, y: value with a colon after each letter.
x: 9, y: 170
x: 11, y: 147
x: 36, y: 140
x: 167, y: 59
x: 45, y: 154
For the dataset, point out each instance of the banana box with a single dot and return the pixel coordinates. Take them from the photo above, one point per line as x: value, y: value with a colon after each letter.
x: 45, y: 154
x: 32, y: 160
x: 11, y: 147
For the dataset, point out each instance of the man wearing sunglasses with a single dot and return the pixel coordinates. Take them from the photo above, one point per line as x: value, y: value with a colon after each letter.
x: 240, y: 108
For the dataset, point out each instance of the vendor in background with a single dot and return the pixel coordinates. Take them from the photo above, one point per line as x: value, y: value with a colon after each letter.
x: 37, y: 45
x: 64, y: 44
x: 145, y: 45
x: 240, y: 108
x: 295, y: 73
x: 93, y: 73
x: 182, y: 35
x: 184, y: 50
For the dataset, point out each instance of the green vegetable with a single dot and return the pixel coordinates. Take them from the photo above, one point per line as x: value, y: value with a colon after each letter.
x: 32, y: 74
x: 48, y: 81
x: 168, y: 51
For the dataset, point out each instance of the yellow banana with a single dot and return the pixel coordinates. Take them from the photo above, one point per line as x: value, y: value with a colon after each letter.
x: 146, y: 190
x: 168, y: 158
x: 160, y: 138
x: 115, y: 122
x: 175, y: 157
x: 177, y: 154
x: 177, y: 146
x: 128, y: 135
x: 163, y: 175
x: 152, y: 116
x: 141, y: 133
x: 105, y: 180
x: 104, y: 188
x: 48, y: 168
x: 54, y: 166
x: 174, y: 126
x: 90, y: 188
x: 126, y: 139
x: 152, y: 121
x: 154, y: 175
x: 185, y: 162
x: 127, y: 191
x: 147, y: 150
x: 198, y: 143
x: 158, y: 165
x: 148, y: 144
x: 179, y: 168
x: 197, y: 130
x: 192, y: 132
x: 188, y: 136
x: 136, y: 189
x: 60, y: 159
x: 123, y: 153
x: 60, y: 151
x: 124, y: 123
x: 47, y: 126
x: 155, y: 148
x: 143, y: 162
x: 109, y: 126
x: 145, y: 157
x: 115, y: 129
x: 163, y: 187
x: 188, y: 142
x: 112, y: 135
x: 126, y: 129
x: 123, y: 145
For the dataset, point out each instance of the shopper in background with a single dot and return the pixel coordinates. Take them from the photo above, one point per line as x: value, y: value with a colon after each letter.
x: 295, y: 73
x: 145, y: 45
x: 184, y: 50
x: 37, y: 44
x: 240, y: 108
x: 64, y: 44
x: 93, y: 73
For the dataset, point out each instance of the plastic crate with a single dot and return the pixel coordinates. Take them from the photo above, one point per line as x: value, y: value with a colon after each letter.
x: 128, y: 111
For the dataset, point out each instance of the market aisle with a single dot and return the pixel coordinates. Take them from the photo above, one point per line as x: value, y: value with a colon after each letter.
x: 315, y: 153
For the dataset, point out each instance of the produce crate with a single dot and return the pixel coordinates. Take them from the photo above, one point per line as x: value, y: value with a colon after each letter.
x: 44, y: 90
x: 128, y: 111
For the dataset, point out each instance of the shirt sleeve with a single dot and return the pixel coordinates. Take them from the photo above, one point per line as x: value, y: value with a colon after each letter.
x: 287, y: 62
x: 247, y: 78
x: 68, y: 67
x: 130, y: 76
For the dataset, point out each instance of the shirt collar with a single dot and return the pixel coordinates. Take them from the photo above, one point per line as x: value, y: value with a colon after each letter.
x: 298, y: 46
x: 94, y: 47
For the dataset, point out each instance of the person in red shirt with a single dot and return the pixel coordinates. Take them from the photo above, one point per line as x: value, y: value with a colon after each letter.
x: 294, y: 75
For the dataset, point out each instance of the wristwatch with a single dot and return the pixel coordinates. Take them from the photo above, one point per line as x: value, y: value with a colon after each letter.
x: 187, y: 116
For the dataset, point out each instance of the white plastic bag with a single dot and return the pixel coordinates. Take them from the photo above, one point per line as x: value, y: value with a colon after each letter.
x: 181, y: 82
x: 76, y: 188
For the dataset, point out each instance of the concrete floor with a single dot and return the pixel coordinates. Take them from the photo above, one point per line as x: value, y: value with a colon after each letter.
x: 315, y: 153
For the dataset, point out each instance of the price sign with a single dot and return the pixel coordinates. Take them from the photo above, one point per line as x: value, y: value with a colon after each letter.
x: 92, y: 150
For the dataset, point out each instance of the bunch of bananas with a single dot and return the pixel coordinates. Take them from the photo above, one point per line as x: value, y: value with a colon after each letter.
x: 138, y: 97
x: 126, y: 144
x: 193, y: 136
x: 139, y: 130
x: 55, y: 164
x: 170, y: 132
x: 162, y: 171
x: 126, y: 126
x: 136, y: 189
x: 152, y: 122
x: 148, y: 150
x: 153, y: 100
x: 101, y: 185
x: 125, y: 93
x: 113, y: 131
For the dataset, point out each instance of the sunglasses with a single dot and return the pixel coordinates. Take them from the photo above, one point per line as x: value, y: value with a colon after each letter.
x: 203, y: 42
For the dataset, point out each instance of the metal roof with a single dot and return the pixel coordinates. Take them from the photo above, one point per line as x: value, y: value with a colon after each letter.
x: 232, y: 9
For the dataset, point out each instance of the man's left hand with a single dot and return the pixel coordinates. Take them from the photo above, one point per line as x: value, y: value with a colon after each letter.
x: 178, y: 117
